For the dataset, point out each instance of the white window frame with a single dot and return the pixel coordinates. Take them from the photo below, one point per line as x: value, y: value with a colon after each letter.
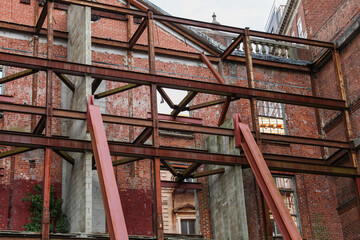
x: 2, y: 74
x: 264, y: 112
x: 300, y: 28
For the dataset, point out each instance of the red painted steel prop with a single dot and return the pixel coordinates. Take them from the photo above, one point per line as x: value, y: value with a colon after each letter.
x: 245, y: 139
x: 110, y: 193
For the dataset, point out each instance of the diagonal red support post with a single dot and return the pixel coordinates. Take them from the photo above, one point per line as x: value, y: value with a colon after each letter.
x: 110, y: 193
x: 245, y: 139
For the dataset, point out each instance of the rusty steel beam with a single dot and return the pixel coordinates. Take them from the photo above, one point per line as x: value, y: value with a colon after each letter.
x: 212, y: 69
x: 170, y: 82
x: 208, y: 173
x: 113, y: 210
x: 245, y: 139
x: 6, y: 98
x: 115, y: 91
x: 188, y: 171
x: 95, y: 84
x: 231, y: 48
x: 189, y: 120
x: 166, y: 97
x: 172, y: 19
x: 169, y: 154
x: 17, y: 75
x: 184, y: 185
x: 169, y: 167
x: 143, y: 136
x: 66, y: 156
x: 15, y: 151
x: 224, y: 110
x: 41, y: 20
x: 318, y: 63
x: 138, y: 33
x: 207, y: 104
x: 182, y: 105
x: 338, y: 155
x: 125, y: 160
x: 176, y: 125
x: 163, y: 51
x: 66, y: 81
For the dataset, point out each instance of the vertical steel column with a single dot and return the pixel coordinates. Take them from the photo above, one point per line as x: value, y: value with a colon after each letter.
x: 346, y: 116
x: 245, y: 139
x: 255, y: 119
x: 251, y: 83
x: 317, y: 114
x: 45, y: 224
x: 35, y: 75
x: 155, y: 135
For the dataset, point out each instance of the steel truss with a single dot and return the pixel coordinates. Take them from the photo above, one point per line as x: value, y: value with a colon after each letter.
x: 164, y: 155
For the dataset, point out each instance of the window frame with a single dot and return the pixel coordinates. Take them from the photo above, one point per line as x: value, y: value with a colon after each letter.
x: 283, y: 115
x: 292, y: 190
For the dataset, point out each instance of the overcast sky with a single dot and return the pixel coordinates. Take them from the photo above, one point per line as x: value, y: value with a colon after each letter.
x: 239, y: 13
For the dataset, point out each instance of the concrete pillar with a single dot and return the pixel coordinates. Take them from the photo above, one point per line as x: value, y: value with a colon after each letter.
x: 227, y: 201
x: 81, y: 190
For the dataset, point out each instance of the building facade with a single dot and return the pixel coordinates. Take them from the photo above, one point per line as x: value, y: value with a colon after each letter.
x: 310, y: 145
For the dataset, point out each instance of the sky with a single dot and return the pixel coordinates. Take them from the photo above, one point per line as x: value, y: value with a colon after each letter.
x: 238, y: 13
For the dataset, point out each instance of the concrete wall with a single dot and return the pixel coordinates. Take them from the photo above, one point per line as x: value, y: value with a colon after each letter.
x: 227, y: 202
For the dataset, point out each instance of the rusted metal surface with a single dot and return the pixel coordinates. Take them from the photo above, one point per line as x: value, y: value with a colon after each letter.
x: 212, y: 69
x: 66, y: 81
x: 208, y: 173
x: 143, y: 136
x: 95, y: 84
x: 231, y: 48
x: 41, y: 20
x: 184, y: 185
x: 45, y: 222
x: 207, y: 104
x: 17, y: 75
x: 189, y: 120
x: 169, y: 167
x: 188, y: 171
x: 224, y: 110
x: 165, y: 97
x: 113, y: 210
x: 151, y: 44
x: 6, y: 98
x: 251, y: 84
x: 138, y: 33
x: 171, y: 154
x: 15, y: 151
x: 182, y: 105
x: 164, y: 81
x: 245, y: 139
x: 115, y: 91
x: 126, y: 160
x: 66, y: 156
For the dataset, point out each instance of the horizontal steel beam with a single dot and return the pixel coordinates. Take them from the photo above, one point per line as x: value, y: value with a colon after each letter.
x: 167, y: 153
x: 159, y: 51
x: 170, y: 184
x: 174, y: 126
x: 195, y: 23
x: 169, y: 82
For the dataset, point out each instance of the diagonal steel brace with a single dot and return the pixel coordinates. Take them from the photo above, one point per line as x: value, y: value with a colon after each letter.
x: 245, y: 139
x: 109, y: 190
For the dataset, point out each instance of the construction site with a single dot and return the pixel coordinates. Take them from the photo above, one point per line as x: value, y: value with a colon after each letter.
x: 121, y: 121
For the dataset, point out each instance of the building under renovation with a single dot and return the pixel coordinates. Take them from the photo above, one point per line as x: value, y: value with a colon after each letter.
x: 120, y: 121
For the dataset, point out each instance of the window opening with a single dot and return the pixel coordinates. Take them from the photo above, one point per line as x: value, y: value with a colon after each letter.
x: 271, y: 117
x: 286, y: 186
